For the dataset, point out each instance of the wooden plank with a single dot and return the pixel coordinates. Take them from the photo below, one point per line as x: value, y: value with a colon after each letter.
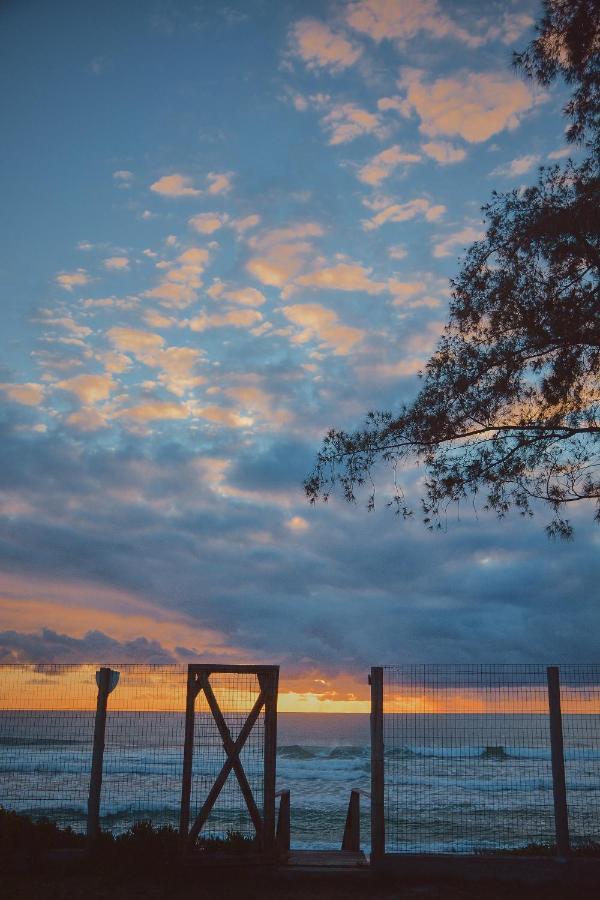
x: 188, y: 753
x: 351, y: 839
x: 209, y: 668
x: 326, y: 859
x: 559, y: 785
x: 283, y: 823
x: 227, y: 766
x: 269, y: 684
x: 103, y: 678
x: 377, y: 765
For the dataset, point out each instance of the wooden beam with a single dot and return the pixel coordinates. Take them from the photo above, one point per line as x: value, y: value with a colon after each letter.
x: 377, y: 766
x: 283, y: 823
x: 193, y: 689
x: 233, y: 751
x: 269, y: 684
x: 351, y: 839
x: 559, y: 785
x: 106, y: 680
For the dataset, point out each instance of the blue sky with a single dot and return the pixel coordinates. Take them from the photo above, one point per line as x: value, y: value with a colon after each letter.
x: 225, y: 229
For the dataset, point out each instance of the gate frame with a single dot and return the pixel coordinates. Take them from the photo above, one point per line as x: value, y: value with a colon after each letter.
x: 199, y: 680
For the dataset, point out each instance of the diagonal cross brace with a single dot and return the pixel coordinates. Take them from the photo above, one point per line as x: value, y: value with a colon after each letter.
x: 233, y: 749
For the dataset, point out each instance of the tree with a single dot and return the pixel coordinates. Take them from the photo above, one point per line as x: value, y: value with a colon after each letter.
x: 510, y: 400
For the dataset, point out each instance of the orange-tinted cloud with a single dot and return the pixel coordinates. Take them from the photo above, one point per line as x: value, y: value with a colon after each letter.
x: 320, y: 47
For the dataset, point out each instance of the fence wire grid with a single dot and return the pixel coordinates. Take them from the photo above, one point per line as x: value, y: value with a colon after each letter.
x: 467, y: 757
x: 47, y: 715
x: 235, y: 694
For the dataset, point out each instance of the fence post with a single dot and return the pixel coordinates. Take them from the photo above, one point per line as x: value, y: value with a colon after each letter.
x: 559, y: 786
x: 192, y: 692
x: 270, y: 762
x: 377, y: 771
x: 106, y: 679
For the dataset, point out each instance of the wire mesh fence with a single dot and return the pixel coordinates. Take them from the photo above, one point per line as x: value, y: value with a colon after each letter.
x: 580, y: 701
x: 47, y: 717
x: 468, y: 762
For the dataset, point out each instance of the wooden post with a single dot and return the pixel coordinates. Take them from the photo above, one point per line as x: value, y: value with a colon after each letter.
x: 351, y: 839
x: 377, y: 770
x: 283, y: 824
x: 559, y: 785
x: 106, y: 679
x: 188, y: 753
x: 270, y: 760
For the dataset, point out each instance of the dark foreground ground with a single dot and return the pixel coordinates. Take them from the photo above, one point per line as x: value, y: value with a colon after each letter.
x: 57, y: 886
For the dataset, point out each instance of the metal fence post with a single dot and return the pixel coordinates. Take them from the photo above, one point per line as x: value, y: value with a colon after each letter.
x: 559, y: 785
x: 377, y: 770
x: 106, y: 679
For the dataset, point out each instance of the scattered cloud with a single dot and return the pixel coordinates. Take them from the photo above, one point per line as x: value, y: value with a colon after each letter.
x: 518, y: 166
x: 386, y: 210
x: 342, y: 277
x: 282, y: 252
x: 28, y: 394
x: 234, y: 318
x: 560, y: 154
x: 208, y: 223
x: 383, y: 164
x: 401, y: 21
x: 444, y: 152
x: 471, y: 105
x: 122, y: 175
x: 88, y: 389
x: 219, y: 182
x: 317, y: 323
x: 116, y: 263
x: 247, y: 296
x: 346, y: 121
x: 457, y: 240
x: 70, y: 280
x: 153, y: 411
x: 175, y: 186
x: 320, y: 47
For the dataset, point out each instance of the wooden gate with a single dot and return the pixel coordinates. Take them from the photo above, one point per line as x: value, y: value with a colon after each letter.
x: 239, y: 702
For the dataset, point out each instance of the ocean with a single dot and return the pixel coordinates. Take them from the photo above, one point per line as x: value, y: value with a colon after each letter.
x: 453, y: 783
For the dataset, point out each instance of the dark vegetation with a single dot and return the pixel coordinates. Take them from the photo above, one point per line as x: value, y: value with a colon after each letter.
x: 509, y: 404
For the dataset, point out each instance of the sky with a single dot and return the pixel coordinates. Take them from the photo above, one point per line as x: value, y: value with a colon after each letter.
x: 225, y: 229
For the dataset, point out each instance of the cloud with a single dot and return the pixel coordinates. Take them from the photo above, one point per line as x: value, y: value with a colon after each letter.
x: 87, y: 419
x: 176, y: 365
x: 235, y: 318
x: 472, y: 105
x: 282, y: 252
x: 175, y: 186
x: 319, y: 324
x: 122, y: 175
x: 219, y: 182
x: 69, y: 280
x: 560, y: 154
x: 220, y: 415
x: 132, y: 340
x: 116, y: 263
x: 346, y: 121
x: 27, y: 394
x: 68, y: 323
x: 246, y: 296
x: 319, y: 47
x: 208, y: 223
x: 402, y: 20
x: 458, y: 239
x: 181, y: 279
x: 297, y: 523
x: 245, y: 224
x: 388, y: 211
x: 48, y: 646
x: 153, y: 411
x: 342, y: 277
x: 88, y: 389
x: 383, y: 164
x: 444, y: 152
x: 518, y: 166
